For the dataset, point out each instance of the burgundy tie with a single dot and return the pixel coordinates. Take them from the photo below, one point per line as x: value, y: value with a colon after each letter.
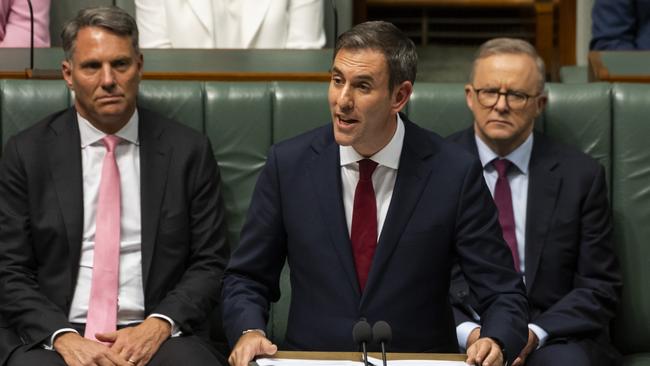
x: 364, y: 221
x: 102, y: 307
x: 503, y: 200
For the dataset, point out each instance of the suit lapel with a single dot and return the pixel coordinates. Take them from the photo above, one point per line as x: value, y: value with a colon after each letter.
x: 251, y: 22
x: 411, y: 180
x: 64, y: 155
x: 325, y: 171
x: 154, y: 162
x: 543, y: 188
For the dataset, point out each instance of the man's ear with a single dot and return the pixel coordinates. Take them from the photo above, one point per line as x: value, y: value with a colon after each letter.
x: 401, y: 95
x: 66, y: 70
x: 542, y: 100
x: 468, y: 96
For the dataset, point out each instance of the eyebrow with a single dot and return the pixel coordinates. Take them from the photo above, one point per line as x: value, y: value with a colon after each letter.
x: 362, y: 77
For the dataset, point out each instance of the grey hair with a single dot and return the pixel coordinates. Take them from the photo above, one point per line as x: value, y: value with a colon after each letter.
x: 112, y: 18
x: 397, y: 48
x: 510, y: 46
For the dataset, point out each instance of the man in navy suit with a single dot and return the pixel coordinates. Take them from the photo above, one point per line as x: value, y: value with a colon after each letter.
x: 620, y: 25
x: 370, y: 212
x: 112, y: 210
x: 553, y: 207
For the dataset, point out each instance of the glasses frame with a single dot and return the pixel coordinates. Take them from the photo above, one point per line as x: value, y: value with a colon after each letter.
x: 505, y: 95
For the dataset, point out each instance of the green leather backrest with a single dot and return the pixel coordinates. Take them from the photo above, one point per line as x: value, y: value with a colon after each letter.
x: 298, y: 107
x: 631, y: 209
x: 238, y: 123
x: 579, y: 115
x: 439, y: 107
x: 25, y: 102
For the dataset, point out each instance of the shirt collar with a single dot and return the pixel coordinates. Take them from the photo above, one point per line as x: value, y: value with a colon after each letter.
x: 90, y: 134
x: 520, y: 156
x: 388, y: 156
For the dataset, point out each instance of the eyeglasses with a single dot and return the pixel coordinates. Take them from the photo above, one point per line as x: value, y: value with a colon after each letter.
x: 489, y: 97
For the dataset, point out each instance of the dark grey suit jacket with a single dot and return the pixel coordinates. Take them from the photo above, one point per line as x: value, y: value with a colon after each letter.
x: 184, y: 249
x: 573, y: 279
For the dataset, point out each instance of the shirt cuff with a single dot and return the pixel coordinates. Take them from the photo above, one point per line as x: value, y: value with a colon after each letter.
x: 50, y: 345
x: 541, y: 334
x: 463, y: 330
x: 175, y: 331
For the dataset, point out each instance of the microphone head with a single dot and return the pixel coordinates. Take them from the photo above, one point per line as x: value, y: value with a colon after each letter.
x: 361, y: 332
x: 382, y: 332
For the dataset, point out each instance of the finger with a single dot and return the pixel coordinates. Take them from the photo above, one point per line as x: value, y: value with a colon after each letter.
x: 482, y: 351
x: 269, y: 348
x: 493, y: 358
x: 518, y: 361
x: 106, y: 337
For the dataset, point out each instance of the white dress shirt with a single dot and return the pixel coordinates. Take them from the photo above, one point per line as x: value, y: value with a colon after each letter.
x: 127, y: 154
x: 131, y: 290
x: 383, y: 178
x: 518, y: 180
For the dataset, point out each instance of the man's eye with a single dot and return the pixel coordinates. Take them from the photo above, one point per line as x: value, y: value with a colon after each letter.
x: 516, y: 96
x: 490, y: 92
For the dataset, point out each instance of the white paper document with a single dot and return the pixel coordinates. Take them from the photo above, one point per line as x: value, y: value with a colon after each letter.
x: 371, y: 361
x: 303, y: 362
x: 379, y: 362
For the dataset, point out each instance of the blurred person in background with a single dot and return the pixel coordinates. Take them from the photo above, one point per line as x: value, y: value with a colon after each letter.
x: 230, y: 23
x: 15, y: 25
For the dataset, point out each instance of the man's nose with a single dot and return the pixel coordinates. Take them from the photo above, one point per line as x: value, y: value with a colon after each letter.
x: 502, y: 103
x: 345, y: 102
x: 108, y: 77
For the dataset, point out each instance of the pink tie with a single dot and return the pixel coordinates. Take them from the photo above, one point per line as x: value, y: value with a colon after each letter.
x: 102, y: 308
x: 503, y: 201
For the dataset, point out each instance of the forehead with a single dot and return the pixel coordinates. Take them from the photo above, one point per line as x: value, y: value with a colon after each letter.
x: 95, y: 41
x: 510, y: 71
x: 368, y: 62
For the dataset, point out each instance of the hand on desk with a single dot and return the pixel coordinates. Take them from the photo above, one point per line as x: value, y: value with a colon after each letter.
x: 248, y: 346
x: 484, y: 352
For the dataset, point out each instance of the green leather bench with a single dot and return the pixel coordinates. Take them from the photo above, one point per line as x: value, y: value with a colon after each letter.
x: 242, y: 120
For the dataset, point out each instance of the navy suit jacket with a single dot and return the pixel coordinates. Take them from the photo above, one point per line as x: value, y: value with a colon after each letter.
x: 440, y: 210
x: 572, y: 275
x: 184, y: 249
x: 620, y: 25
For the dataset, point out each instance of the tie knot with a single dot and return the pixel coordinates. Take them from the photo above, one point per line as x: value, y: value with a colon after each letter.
x: 110, y: 141
x: 366, y: 168
x: 502, y: 166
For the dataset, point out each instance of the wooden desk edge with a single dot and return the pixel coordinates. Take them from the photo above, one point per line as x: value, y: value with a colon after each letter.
x: 597, y: 70
x: 356, y: 356
x: 196, y: 76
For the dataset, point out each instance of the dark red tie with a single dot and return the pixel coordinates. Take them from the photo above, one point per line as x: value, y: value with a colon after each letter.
x: 364, y: 221
x: 503, y: 200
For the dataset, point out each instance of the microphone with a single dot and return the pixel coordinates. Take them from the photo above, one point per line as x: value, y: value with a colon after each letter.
x: 362, y: 334
x: 31, y: 72
x: 31, y: 44
x: 336, y: 23
x: 382, y: 334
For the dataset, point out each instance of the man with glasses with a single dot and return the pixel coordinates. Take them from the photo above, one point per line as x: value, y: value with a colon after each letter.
x: 553, y: 210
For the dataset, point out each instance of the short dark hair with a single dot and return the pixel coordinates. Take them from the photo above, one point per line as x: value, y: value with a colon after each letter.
x: 397, y: 48
x: 510, y: 46
x: 111, y: 18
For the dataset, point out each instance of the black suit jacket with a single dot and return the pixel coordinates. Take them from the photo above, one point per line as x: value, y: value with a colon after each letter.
x: 573, y: 280
x: 440, y: 210
x: 41, y: 216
